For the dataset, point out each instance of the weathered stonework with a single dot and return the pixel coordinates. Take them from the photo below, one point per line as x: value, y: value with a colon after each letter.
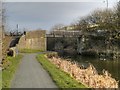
x: 0, y: 44
x: 34, y: 40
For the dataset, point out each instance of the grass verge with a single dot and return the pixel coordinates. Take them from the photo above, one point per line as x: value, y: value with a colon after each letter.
x: 9, y: 72
x: 0, y: 79
x: 62, y: 79
x: 29, y: 51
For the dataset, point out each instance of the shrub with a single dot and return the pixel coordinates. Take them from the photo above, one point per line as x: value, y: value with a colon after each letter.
x: 52, y: 54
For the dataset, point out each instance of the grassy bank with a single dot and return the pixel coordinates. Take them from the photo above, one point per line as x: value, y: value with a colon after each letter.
x: 0, y: 79
x: 9, y: 72
x: 29, y: 51
x: 62, y: 79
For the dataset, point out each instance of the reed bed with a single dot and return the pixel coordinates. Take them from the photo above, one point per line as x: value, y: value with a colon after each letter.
x: 89, y: 76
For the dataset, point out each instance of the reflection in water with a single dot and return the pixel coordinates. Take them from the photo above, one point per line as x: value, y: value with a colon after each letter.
x: 112, y: 66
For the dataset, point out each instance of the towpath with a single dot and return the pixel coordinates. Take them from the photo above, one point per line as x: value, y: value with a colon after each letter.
x: 30, y: 74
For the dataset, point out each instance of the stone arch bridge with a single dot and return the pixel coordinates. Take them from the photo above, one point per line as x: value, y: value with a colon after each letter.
x: 71, y: 41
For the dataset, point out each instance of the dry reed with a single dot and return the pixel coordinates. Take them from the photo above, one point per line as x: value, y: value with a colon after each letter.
x: 88, y: 76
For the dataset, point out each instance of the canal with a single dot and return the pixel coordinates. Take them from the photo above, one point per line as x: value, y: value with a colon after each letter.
x: 112, y: 66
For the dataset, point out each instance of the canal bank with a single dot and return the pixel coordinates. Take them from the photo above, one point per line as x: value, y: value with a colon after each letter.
x: 112, y: 66
x: 88, y: 76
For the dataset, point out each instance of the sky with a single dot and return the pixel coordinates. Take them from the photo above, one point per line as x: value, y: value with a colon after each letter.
x: 36, y: 14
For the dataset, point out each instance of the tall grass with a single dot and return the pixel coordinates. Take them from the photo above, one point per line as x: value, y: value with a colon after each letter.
x: 0, y: 79
x: 88, y: 76
x: 62, y: 79
x: 8, y: 73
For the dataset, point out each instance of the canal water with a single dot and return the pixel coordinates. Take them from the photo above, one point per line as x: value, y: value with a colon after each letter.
x: 112, y: 66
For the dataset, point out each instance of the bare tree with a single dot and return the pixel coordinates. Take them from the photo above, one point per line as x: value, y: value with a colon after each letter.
x: 58, y: 27
x: 118, y: 15
x: 0, y: 31
x: 98, y: 19
x: 104, y: 18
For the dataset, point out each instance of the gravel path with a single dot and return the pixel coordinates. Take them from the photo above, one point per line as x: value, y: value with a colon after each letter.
x: 30, y: 74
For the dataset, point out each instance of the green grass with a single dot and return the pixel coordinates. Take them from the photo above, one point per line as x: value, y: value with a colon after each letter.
x: 8, y: 73
x: 29, y: 51
x: 0, y: 79
x: 62, y: 79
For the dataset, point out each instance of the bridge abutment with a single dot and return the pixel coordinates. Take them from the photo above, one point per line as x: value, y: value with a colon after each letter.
x: 34, y: 40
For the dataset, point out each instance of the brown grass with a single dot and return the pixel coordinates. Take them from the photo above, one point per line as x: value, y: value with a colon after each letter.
x: 88, y: 76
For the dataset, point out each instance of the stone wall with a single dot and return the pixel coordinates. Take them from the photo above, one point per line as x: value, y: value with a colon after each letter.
x: 34, y: 40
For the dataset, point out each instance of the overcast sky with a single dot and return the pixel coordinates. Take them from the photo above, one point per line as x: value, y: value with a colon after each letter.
x: 35, y: 15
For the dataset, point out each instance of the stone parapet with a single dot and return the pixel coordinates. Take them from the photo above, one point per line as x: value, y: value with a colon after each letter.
x: 35, y: 40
